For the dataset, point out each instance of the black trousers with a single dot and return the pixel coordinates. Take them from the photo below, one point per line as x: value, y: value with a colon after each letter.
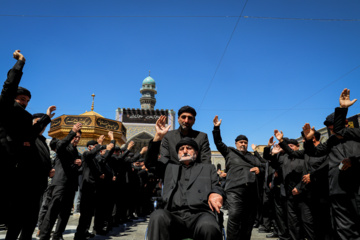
x: 25, y: 205
x: 300, y: 217
x: 60, y: 207
x: 46, y: 199
x: 268, y: 210
x: 280, y: 214
x: 241, y: 204
x: 165, y: 225
x: 103, y: 206
x: 346, y: 218
x: 87, y: 210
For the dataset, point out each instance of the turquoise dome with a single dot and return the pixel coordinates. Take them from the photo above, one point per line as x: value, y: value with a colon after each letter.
x: 149, y: 80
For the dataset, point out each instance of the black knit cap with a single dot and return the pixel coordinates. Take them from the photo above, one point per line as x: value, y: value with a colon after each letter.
x: 241, y: 137
x: 329, y: 120
x: 187, y: 141
x: 23, y: 91
x: 293, y: 141
x: 187, y: 109
x: 38, y: 115
x: 91, y: 142
x: 117, y: 148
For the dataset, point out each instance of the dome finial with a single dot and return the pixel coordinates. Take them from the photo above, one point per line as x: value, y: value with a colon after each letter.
x: 149, y: 73
x: 92, y: 106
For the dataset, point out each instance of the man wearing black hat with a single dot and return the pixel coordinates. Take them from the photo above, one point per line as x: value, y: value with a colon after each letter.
x: 65, y: 183
x: 343, y: 151
x: 186, y: 119
x: 241, y: 188
x: 191, y: 192
x: 31, y: 180
x: 92, y: 176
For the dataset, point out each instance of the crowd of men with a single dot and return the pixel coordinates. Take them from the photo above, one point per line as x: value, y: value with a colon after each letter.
x: 289, y: 193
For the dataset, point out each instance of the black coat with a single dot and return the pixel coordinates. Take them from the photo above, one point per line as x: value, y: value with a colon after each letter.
x: 340, y: 182
x: 168, y: 146
x: 203, y: 180
x: 91, y: 169
x: 16, y: 125
x: 238, y: 165
x: 66, y: 171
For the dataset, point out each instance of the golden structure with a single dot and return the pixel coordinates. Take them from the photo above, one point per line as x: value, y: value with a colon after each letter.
x: 93, y: 126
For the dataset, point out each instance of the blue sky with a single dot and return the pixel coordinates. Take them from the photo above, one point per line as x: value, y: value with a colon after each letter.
x: 279, y: 71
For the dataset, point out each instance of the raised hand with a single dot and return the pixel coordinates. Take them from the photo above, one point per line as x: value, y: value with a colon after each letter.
x: 271, y: 141
x: 109, y: 146
x: 279, y: 135
x: 216, y: 121
x: 308, y: 131
x: 77, y: 127
x: 111, y: 135
x: 50, y: 110
x: 18, y: 56
x: 130, y: 145
x: 101, y: 139
x: 161, y: 129
x: 143, y: 150
x: 344, y: 99
x: 276, y: 149
x: 253, y: 146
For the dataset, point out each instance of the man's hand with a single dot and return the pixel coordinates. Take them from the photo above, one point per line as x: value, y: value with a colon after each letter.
x: 255, y: 169
x: 253, y: 146
x: 271, y: 141
x: 306, y: 178
x: 77, y: 127
x: 111, y: 135
x: 215, y: 201
x: 279, y: 135
x: 161, y: 129
x: 114, y: 178
x: 52, y: 173
x: 308, y: 131
x: 102, y: 176
x: 18, y: 56
x: 346, y: 164
x: 130, y: 145
x: 295, y: 192
x: 344, y: 99
x: 100, y: 139
x: 50, y: 110
x: 109, y: 146
x: 276, y: 149
x: 78, y: 162
x: 216, y: 121
x: 143, y: 150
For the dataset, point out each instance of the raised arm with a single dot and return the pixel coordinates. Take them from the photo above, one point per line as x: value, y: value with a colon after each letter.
x: 295, y: 154
x: 11, y: 84
x: 151, y: 158
x: 221, y: 147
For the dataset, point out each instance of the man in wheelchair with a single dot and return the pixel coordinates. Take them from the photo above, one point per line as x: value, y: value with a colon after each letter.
x: 191, y: 193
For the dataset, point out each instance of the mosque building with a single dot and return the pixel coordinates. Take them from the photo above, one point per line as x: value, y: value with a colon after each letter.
x: 140, y: 122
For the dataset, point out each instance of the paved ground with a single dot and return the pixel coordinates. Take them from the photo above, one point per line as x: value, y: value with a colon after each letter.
x: 132, y: 231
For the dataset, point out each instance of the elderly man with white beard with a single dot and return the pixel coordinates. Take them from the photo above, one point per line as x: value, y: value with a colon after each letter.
x: 191, y: 192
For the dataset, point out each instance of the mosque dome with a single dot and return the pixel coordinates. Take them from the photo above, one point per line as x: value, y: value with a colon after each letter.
x: 148, y: 81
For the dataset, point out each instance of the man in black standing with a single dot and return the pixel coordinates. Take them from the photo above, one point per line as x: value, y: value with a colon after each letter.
x: 241, y: 189
x: 92, y: 176
x: 186, y: 119
x: 65, y: 184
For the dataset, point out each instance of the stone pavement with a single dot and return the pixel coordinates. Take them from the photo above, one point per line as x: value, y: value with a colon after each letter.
x: 131, y: 231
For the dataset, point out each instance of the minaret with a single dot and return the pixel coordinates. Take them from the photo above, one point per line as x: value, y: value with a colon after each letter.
x: 148, y: 92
